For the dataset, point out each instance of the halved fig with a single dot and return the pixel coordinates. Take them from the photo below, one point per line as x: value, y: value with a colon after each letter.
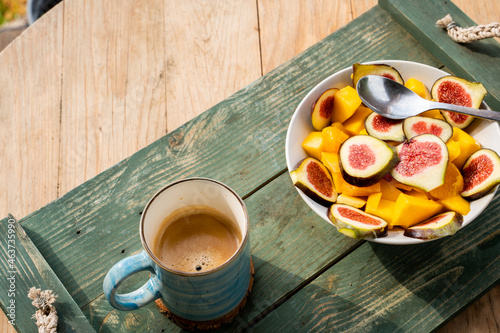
x: 481, y: 174
x: 384, y: 128
x: 417, y: 125
x: 321, y: 111
x: 364, y: 160
x: 355, y: 223
x: 314, y: 179
x: 441, y: 225
x: 360, y: 70
x: 423, y: 162
x: 454, y: 90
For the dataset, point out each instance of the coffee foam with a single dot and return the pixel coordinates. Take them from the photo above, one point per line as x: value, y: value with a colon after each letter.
x: 196, y: 239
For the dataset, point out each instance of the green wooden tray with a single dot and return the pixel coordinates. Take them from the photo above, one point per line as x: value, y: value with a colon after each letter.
x: 308, y: 276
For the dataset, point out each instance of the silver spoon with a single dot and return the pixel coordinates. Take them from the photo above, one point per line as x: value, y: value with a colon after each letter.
x: 393, y: 100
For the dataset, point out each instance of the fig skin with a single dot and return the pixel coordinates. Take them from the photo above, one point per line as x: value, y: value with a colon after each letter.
x: 372, y: 177
x: 451, y: 223
x: 321, y: 110
x: 357, y: 229
x: 422, y: 180
x: 485, y: 186
x: 475, y: 93
x: 360, y: 70
x: 303, y: 182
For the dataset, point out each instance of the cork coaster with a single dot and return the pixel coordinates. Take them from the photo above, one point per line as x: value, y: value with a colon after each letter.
x: 209, y: 324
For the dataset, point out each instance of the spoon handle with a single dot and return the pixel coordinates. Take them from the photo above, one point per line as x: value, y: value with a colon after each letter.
x: 480, y: 113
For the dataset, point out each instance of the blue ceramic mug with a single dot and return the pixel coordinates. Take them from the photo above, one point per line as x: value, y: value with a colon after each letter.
x: 195, y: 296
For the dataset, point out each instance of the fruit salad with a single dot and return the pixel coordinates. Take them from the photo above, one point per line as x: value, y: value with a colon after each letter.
x: 375, y: 174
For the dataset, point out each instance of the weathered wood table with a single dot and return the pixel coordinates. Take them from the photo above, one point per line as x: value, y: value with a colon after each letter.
x: 308, y: 276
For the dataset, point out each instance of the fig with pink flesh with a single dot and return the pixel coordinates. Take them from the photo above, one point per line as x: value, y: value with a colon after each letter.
x: 364, y: 160
x: 321, y: 111
x: 355, y: 223
x: 360, y: 70
x: 441, y: 225
x: 481, y: 173
x: 422, y: 162
x: 454, y: 90
x: 384, y: 128
x: 314, y: 179
x: 417, y: 125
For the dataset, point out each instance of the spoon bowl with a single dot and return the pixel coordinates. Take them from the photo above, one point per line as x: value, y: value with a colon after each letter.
x: 393, y: 100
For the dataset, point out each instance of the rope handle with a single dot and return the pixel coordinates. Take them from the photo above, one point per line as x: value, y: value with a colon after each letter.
x: 46, y: 314
x: 467, y: 35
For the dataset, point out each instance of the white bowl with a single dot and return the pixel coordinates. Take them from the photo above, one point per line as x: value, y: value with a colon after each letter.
x: 485, y: 132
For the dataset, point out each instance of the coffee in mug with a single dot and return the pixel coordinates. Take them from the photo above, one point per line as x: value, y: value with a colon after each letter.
x: 196, y: 239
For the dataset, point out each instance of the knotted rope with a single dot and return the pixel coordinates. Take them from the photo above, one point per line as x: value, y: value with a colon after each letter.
x: 467, y: 35
x: 46, y: 314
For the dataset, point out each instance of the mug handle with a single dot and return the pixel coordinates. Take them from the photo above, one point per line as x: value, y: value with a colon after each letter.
x: 121, y: 271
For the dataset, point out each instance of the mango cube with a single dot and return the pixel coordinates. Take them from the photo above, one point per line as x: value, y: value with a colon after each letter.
x: 372, y: 202
x: 453, y: 184
x: 345, y: 188
x: 345, y: 103
x: 468, y: 146
x: 333, y: 137
x: 410, y: 210
x: 401, y: 186
x: 432, y: 114
x: 351, y: 201
x: 313, y: 144
x: 331, y: 162
x: 380, y: 207
x: 389, y: 191
x: 453, y: 150
x: 417, y: 194
x: 457, y: 204
x: 363, y: 132
x: 418, y: 88
x: 356, y: 122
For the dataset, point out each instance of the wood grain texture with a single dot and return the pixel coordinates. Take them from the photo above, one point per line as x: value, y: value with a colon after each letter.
x: 378, y: 288
x: 114, y: 91
x: 289, y: 27
x: 25, y: 267
x: 36, y: 173
x: 7, y: 35
x: 212, y: 51
x: 29, y: 117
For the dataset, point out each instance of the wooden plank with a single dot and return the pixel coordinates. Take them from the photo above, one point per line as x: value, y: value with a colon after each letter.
x: 290, y: 27
x: 212, y: 51
x: 113, y: 96
x: 105, y: 209
x: 25, y: 267
x: 481, y: 316
x: 29, y: 117
x: 476, y: 61
x: 9, y: 33
x: 289, y: 245
x: 381, y: 288
x: 359, y: 7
